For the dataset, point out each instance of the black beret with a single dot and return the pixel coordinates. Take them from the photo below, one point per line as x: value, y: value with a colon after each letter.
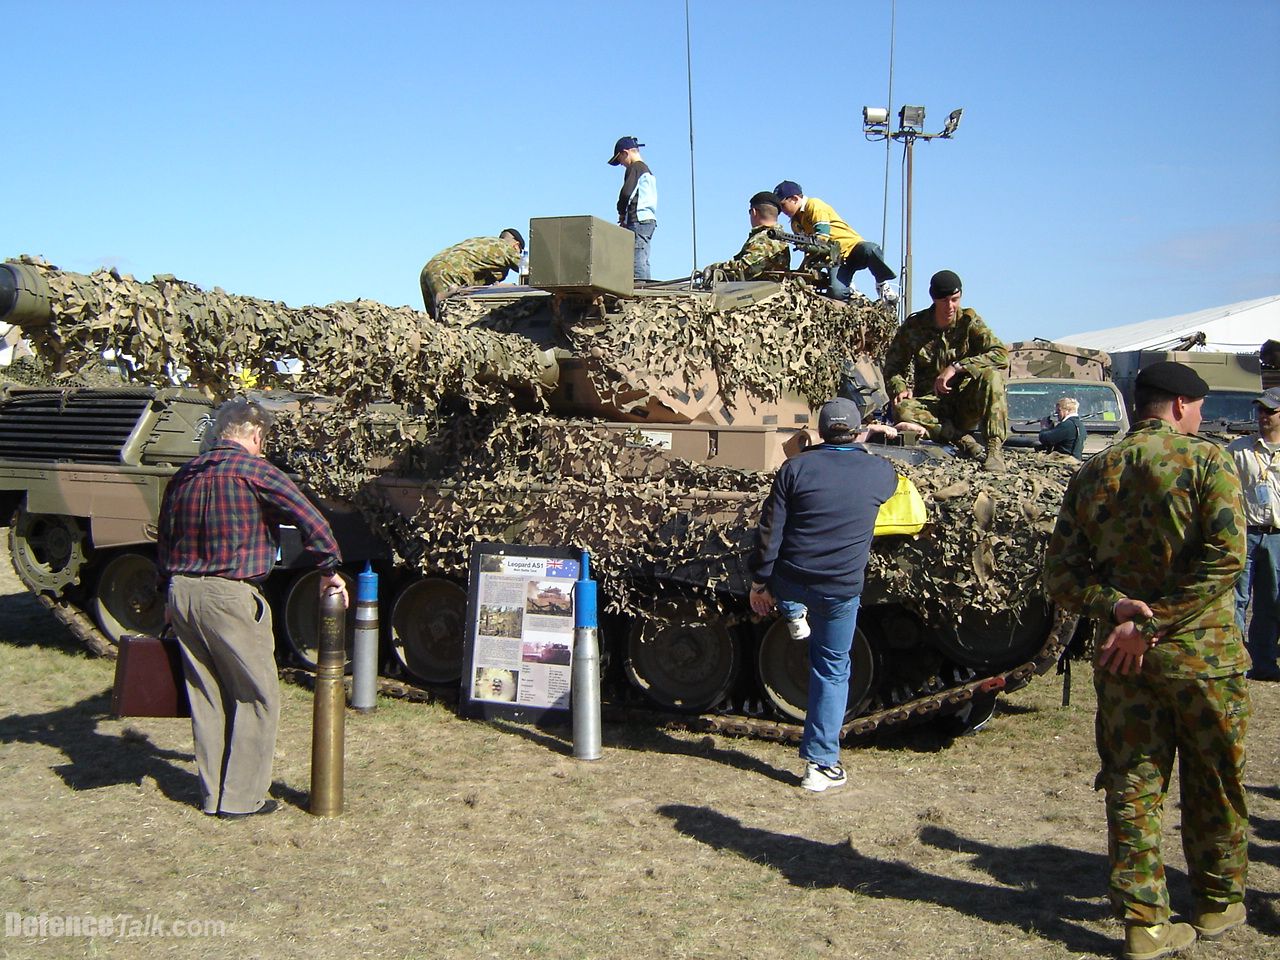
x: 516, y: 236
x: 766, y: 197
x: 1174, y: 378
x: 943, y: 284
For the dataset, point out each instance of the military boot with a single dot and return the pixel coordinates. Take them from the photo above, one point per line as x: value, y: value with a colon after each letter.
x: 994, y: 461
x: 1214, y: 919
x: 969, y: 446
x: 1142, y: 942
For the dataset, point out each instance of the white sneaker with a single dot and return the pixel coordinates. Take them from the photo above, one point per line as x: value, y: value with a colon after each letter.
x: 799, y: 629
x: 818, y: 778
x: 888, y: 292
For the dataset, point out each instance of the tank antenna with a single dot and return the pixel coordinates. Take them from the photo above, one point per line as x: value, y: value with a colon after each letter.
x: 888, y: 141
x: 693, y: 187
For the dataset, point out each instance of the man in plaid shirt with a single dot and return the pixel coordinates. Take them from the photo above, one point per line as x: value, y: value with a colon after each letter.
x: 219, y: 530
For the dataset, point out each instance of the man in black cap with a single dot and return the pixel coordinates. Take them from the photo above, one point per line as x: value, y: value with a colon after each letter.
x: 477, y: 262
x: 637, y: 200
x: 810, y: 554
x: 958, y: 366
x: 1257, y: 458
x: 761, y: 253
x: 1149, y: 543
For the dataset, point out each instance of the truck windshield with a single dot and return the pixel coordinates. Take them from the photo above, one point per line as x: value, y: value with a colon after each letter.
x: 1231, y: 407
x: 1029, y: 401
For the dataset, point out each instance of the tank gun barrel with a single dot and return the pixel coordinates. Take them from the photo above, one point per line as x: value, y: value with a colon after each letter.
x: 169, y: 329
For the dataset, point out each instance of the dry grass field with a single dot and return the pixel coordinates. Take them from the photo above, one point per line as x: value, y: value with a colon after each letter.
x: 463, y: 839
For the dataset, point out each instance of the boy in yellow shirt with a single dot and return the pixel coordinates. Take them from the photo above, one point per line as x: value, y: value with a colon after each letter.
x: 813, y: 216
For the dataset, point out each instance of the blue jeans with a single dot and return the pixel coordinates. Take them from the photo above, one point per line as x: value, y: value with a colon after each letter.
x: 866, y: 255
x: 1261, y: 578
x: 832, y: 621
x: 643, y: 229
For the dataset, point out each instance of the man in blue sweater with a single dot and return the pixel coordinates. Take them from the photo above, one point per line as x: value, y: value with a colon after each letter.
x: 811, y: 551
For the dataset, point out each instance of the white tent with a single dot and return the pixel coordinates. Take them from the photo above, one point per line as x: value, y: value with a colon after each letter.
x: 1236, y: 328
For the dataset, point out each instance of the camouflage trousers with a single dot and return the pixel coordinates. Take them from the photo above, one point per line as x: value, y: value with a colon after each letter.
x: 434, y: 290
x: 978, y: 402
x: 1142, y: 722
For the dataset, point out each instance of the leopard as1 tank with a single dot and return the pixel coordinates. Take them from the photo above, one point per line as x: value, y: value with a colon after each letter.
x: 641, y: 424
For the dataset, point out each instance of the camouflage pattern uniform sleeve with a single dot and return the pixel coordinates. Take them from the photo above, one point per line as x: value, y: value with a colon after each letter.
x: 1070, y: 575
x: 983, y: 349
x: 906, y: 343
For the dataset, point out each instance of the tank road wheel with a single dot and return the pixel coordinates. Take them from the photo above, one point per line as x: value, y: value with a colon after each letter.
x: 302, y: 615
x: 47, y: 550
x: 428, y: 623
x: 684, y: 664
x: 126, y: 599
x: 784, y: 672
x: 995, y: 641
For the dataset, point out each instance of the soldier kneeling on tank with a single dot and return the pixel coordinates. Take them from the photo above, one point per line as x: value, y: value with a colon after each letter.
x: 959, y: 376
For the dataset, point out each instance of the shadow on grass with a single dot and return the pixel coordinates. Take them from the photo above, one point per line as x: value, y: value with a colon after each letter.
x: 100, y: 760
x: 1029, y: 889
x: 643, y: 739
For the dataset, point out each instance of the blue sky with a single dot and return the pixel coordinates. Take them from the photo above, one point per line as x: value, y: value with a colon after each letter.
x: 1117, y: 161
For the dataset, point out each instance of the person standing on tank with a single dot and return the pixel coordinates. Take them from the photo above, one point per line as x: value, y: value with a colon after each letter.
x: 810, y: 559
x: 637, y: 200
x: 958, y: 367
x: 1257, y: 459
x: 812, y: 216
x: 1149, y: 542
x: 218, y: 535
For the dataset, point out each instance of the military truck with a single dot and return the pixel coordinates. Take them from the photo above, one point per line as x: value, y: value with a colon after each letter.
x: 640, y: 425
x: 1235, y: 380
x: 1041, y: 372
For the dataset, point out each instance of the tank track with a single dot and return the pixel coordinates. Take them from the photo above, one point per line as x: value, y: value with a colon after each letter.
x: 931, y: 704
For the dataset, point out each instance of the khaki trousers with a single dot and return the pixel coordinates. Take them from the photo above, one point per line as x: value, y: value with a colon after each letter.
x: 228, y: 653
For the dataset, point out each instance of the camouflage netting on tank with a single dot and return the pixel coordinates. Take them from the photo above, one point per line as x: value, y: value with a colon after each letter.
x: 467, y: 468
x: 359, y: 351
x: 794, y: 341
x: 522, y: 479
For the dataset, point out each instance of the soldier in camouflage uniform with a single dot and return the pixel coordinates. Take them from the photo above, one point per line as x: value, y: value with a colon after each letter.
x: 477, y: 262
x: 958, y: 372
x: 1149, y: 542
x: 761, y: 253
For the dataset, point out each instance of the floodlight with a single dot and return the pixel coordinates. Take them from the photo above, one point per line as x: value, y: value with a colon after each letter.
x: 875, y: 117
x: 911, y: 118
x: 953, y: 121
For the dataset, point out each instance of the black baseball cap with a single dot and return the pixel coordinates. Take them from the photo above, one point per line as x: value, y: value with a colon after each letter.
x: 838, y: 417
x: 1270, y: 399
x: 1171, y: 377
x: 624, y: 143
x: 788, y: 188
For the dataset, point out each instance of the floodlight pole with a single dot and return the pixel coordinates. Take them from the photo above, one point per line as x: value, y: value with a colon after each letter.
x: 875, y: 126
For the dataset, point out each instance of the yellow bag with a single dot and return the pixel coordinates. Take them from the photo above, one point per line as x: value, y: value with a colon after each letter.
x: 904, y: 512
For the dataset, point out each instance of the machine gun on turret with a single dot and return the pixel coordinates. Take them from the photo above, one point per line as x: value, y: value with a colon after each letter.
x: 821, y: 254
